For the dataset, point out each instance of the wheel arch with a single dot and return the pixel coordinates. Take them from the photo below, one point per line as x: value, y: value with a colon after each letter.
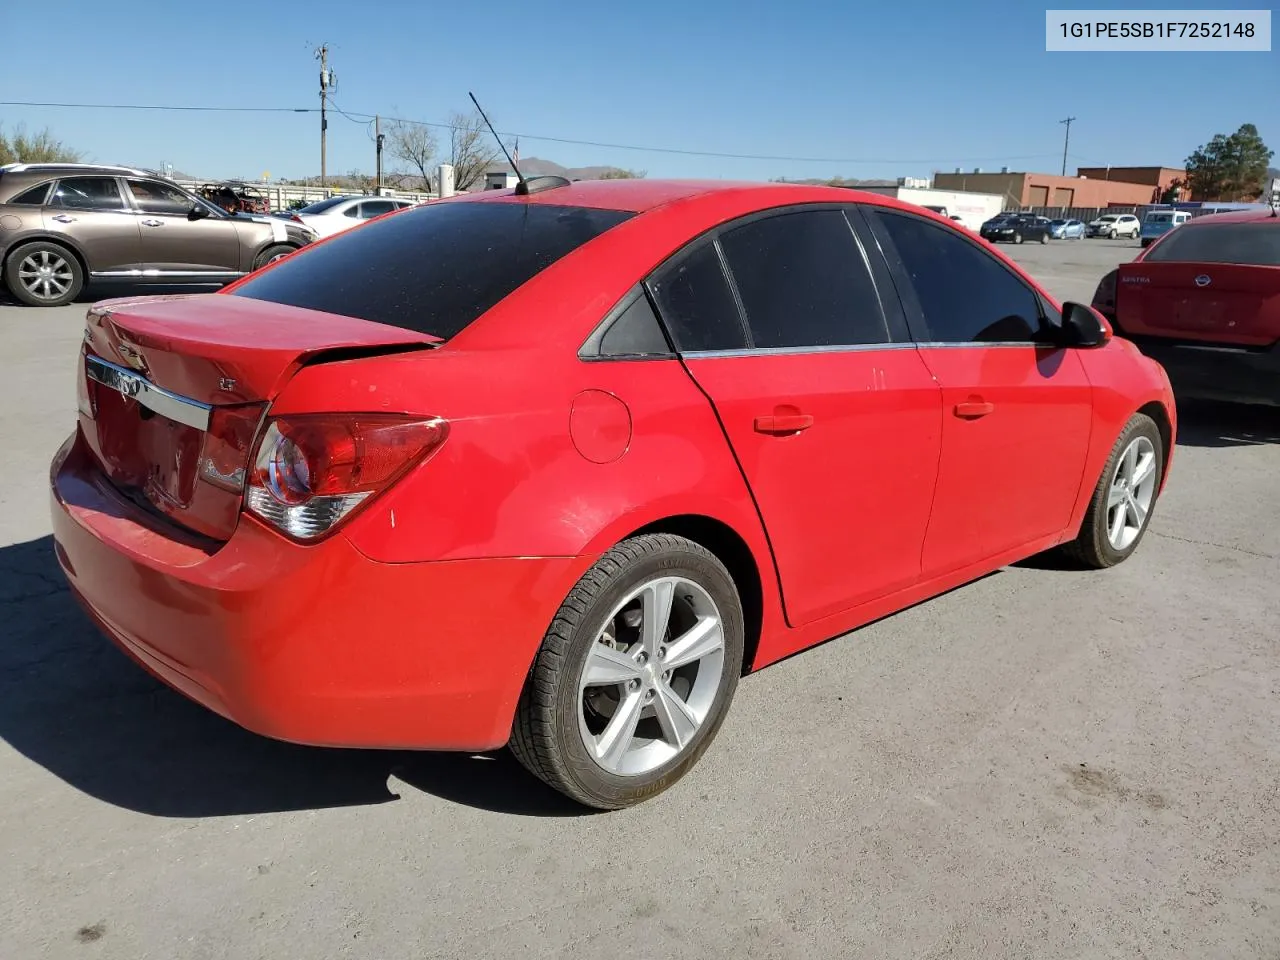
x: 733, y: 551
x: 43, y: 237
x: 1156, y: 410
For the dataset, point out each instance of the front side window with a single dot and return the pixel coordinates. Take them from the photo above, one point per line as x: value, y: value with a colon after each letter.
x: 87, y: 193
x: 804, y: 282
x: 436, y: 268
x: 965, y: 294
x: 152, y: 196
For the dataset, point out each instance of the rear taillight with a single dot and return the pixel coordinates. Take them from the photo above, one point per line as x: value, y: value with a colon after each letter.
x: 311, y: 472
x: 224, y: 460
x: 297, y: 219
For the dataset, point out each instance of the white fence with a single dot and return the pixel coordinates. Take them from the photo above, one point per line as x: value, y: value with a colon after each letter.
x: 281, y: 196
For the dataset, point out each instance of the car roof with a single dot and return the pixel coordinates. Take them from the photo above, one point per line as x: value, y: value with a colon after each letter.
x: 1232, y: 216
x: 642, y: 195
x: 56, y: 168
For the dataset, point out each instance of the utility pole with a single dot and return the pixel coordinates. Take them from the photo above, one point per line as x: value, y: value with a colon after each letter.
x: 325, y: 82
x: 377, y: 136
x: 1065, y: 143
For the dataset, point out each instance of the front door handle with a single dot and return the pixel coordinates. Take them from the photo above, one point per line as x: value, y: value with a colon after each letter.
x: 153, y: 223
x: 972, y: 409
x: 63, y: 218
x: 783, y: 424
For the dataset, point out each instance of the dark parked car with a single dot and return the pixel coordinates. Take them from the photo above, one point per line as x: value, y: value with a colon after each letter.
x: 62, y: 225
x: 1016, y: 227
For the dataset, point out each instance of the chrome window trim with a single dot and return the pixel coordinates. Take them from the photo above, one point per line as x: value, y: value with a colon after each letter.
x: 127, y: 383
x: 859, y: 348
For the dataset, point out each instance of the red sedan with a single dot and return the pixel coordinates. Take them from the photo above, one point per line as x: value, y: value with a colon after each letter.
x: 552, y: 467
x: 1204, y: 300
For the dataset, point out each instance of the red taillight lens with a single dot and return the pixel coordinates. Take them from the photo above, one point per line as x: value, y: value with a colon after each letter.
x: 311, y: 472
x: 296, y: 219
x: 224, y: 460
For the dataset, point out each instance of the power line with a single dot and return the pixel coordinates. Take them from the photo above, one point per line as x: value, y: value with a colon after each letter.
x: 368, y: 117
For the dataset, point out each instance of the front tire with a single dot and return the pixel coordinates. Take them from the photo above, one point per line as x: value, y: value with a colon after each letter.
x: 43, y: 274
x: 1120, y: 510
x: 1044, y: 237
x: 1017, y: 238
x: 635, y: 674
x: 273, y: 253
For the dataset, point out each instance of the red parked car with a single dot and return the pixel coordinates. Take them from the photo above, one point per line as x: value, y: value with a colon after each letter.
x: 553, y: 467
x: 1204, y: 300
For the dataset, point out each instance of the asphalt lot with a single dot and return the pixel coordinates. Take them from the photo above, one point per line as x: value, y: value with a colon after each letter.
x: 1045, y: 763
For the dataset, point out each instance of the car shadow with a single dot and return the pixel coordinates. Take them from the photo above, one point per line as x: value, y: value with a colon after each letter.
x: 1221, y: 423
x: 75, y: 705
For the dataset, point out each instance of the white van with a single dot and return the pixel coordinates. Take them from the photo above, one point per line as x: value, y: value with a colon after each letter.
x: 1159, y: 222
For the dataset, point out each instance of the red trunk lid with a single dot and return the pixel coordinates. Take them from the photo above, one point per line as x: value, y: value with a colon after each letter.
x: 1227, y: 303
x: 175, y: 389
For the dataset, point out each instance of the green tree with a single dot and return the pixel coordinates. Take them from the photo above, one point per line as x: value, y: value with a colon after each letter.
x: 1229, y: 167
x: 40, y: 147
x: 617, y: 173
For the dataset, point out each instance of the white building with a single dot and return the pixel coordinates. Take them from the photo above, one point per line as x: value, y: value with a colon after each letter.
x: 972, y: 209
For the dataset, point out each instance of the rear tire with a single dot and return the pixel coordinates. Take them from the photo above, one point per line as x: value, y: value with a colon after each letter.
x: 272, y: 253
x: 601, y: 630
x: 1124, y: 499
x: 43, y: 274
x: 1017, y: 238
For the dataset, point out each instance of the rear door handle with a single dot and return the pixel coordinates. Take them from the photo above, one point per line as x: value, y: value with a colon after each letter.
x: 153, y: 223
x: 782, y: 424
x: 972, y: 409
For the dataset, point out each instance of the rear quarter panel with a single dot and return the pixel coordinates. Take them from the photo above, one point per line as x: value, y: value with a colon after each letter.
x: 546, y: 455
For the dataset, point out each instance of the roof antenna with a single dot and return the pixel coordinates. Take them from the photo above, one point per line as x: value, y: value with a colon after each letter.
x: 523, y: 186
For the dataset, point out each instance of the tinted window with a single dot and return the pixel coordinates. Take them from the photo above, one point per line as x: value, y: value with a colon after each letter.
x: 636, y: 332
x: 320, y: 206
x: 352, y: 211
x: 694, y: 297
x: 155, y: 197
x: 33, y: 197
x: 965, y: 294
x: 435, y: 268
x: 87, y: 193
x: 1257, y: 244
x: 803, y: 281
x: 376, y: 208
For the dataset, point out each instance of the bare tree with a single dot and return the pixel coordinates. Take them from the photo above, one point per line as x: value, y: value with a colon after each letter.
x: 40, y: 147
x: 471, y: 149
x: 415, y: 145
x: 618, y: 173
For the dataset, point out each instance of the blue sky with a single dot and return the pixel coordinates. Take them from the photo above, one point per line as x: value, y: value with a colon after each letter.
x: 884, y: 90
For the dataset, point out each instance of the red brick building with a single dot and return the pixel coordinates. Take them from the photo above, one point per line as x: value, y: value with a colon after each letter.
x: 1051, y: 190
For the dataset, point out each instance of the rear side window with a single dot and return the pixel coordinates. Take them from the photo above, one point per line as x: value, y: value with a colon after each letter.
x: 33, y: 197
x: 803, y: 281
x: 87, y: 193
x: 696, y: 301
x: 1253, y: 244
x: 434, y: 269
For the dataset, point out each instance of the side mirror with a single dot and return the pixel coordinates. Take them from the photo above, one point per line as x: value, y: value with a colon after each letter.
x: 197, y: 212
x: 1083, y: 326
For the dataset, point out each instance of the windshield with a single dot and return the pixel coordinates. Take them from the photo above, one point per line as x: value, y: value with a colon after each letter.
x: 432, y: 269
x: 1254, y: 244
x: 1108, y: 218
x: 321, y: 206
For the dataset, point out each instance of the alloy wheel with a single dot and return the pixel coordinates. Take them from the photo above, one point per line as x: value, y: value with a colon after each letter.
x: 651, y: 677
x: 1133, y: 488
x: 45, y: 275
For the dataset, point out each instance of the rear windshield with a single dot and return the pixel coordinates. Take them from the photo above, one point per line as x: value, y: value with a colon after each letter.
x: 432, y: 269
x: 1255, y: 244
x: 320, y: 206
x: 1159, y: 217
